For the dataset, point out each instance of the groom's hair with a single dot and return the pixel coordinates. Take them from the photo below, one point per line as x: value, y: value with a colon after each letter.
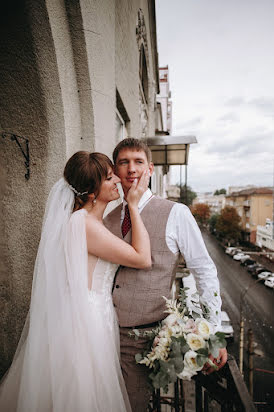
x: 132, y: 144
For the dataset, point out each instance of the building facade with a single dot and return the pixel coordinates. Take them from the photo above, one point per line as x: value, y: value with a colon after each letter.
x: 254, y: 206
x: 215, y: 202
x: 75, y: 75
x: 160, y: 180
x: 265, y: 236
x: 164, y: 99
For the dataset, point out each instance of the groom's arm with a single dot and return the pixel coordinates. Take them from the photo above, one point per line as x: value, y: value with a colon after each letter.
x: 183, y: 234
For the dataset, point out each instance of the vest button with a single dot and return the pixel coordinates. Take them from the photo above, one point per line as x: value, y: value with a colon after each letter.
x: 117, y: 286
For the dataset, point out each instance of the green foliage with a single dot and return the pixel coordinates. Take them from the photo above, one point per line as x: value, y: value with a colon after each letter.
x: 220, y: 192
x: 187, y: 195
x: 212, y: 222
x: 216, y: 342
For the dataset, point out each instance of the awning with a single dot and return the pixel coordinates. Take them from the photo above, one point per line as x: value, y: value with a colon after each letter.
x: 170, y: 150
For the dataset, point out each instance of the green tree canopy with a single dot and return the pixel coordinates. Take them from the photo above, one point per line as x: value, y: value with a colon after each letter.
x: 187, y: 195
x: 220, y: 191
x: 212, y: 222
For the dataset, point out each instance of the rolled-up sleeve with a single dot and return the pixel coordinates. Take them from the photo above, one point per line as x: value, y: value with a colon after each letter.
x: 183, y: 235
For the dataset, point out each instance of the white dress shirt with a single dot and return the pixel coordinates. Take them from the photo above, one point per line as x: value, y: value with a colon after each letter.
x: 183, y: 236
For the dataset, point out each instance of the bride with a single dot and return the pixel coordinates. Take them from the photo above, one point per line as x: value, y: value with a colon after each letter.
x: 67, y: 358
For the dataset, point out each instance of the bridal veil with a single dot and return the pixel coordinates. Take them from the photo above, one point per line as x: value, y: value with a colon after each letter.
x: 62, y: 363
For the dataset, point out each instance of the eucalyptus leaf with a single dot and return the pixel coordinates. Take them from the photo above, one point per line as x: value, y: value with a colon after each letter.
x: 138, y: 357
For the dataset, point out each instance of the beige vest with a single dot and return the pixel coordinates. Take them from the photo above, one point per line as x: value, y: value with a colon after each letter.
x: 137, y: 293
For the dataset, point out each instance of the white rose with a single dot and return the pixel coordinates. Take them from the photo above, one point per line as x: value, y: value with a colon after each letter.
x: 186, y: 374
x: 176, y: 330
x: 170, y: 320
x: 190, y: 361
x: 164, y: 341
x: 204, y: 328
x: 161, y: 352
x: 194, y: 341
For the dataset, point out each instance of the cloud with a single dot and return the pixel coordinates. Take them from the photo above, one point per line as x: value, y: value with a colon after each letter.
x: 235, y: 101
x: 192, y: 122
x: 263, y: 104
x: 230, y: 117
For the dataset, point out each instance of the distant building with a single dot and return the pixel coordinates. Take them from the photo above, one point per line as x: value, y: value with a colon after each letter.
x: 164, y: 99
x: 254, y: 206
x: 163, y: 126
x: 215, y: 202
x: 233, y: 189
x: 265, y: 235
x: 173, y: 193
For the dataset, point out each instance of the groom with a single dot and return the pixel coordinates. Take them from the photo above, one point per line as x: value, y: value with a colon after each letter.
x: 137, y: 293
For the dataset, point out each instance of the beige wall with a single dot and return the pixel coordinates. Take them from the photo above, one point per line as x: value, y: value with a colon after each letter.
x: 260, y: 209
x: 253, y: 210
x: 60, y: 65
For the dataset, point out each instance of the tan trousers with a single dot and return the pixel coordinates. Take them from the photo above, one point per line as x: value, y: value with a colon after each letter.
x: 135, y: 375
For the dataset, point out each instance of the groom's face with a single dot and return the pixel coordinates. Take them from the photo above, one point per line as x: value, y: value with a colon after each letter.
x: 129, y: 166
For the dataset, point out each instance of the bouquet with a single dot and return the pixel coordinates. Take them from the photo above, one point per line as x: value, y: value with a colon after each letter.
x: 182, y: 343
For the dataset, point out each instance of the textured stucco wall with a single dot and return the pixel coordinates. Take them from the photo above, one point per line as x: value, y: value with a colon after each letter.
x: 127, y: 64
x: 30, y: 106
x: 60, y: 64
x: 99, y: 33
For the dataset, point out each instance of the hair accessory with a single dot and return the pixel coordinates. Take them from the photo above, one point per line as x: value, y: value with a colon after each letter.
x: 76, y: 192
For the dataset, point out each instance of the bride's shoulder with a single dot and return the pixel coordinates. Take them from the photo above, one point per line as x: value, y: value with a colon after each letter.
x: 92, y: 223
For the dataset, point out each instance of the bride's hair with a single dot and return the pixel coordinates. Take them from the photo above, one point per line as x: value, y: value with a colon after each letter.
x: 85, y: 172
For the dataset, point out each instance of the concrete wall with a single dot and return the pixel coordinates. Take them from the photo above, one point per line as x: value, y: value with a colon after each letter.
x: 30, y: 106
x: 61, y: 62
x: 127, y: 64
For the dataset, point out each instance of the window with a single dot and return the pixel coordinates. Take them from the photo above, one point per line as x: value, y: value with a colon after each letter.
x: 143, y: 73
x: 119, y: 127
x: 121, y: 119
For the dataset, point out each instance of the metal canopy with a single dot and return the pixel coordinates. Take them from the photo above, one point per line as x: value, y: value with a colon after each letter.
x: 170, y: 150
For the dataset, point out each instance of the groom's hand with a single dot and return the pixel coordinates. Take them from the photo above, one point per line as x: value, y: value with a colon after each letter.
x: 220, y: 361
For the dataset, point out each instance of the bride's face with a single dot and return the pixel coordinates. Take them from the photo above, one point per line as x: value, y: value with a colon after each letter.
x: 109, y: 190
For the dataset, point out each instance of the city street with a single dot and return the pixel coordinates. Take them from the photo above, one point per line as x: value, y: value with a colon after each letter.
x: 258, y: 313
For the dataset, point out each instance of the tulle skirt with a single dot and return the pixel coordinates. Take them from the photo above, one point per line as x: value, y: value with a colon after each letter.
x: 41, y: 388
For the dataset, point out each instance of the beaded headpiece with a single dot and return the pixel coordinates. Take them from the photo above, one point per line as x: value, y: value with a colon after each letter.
x: 76, y: 191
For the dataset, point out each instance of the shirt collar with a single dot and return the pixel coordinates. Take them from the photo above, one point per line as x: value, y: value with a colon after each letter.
x: 143, y: 199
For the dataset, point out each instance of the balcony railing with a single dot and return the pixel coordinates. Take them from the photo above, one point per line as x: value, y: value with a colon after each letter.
x: 226, y: 388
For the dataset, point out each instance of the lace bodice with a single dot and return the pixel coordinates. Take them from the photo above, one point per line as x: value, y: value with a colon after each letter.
x: 103, y: 276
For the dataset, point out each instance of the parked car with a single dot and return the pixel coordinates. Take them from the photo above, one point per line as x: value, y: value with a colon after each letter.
x: 240, y: 256
x: 265, y: 275
x: 230, y: 249
x: 244, y: 258
x: 256, y: 269
x: 248, y: 262
x: 252, y: 268
x: 259, y: 270
x: 235, y: 252
x: 226, y: 326
x: 269, y: 282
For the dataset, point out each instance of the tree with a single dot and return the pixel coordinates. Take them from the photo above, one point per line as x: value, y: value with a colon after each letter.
x: 220, y: 192
x: 212, y: 223
x: 228, y: 224
x: 201, y: 212
x: 186, y: 195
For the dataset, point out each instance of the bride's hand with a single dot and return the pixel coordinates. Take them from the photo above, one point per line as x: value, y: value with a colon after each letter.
x: 137, y: 189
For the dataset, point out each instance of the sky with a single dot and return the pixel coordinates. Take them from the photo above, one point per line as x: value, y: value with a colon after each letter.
x: 220, y: 56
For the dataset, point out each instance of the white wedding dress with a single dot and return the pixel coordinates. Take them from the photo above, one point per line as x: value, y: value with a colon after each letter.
x: 67, y: 359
